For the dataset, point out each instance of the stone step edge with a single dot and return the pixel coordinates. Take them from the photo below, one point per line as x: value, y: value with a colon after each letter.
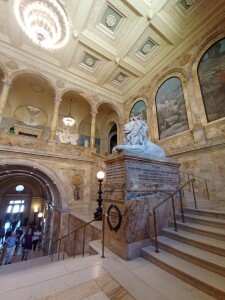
x: 202, y: 218
x: 198, y: 211
x: 205, y: 285
x: 191, y: 255
x: 201, y: 242
x: 201, y: 228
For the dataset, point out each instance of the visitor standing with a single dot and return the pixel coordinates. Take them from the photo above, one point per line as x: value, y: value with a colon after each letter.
x: 27, y: 243
x: 11, y: 246
x: 36, y: 238
x: 2, y: 233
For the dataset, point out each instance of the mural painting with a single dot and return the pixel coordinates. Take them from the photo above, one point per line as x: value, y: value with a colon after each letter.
x: 30, y: 115
x: 171, y: 110
x: 211, y: 72
x: 139, y: 110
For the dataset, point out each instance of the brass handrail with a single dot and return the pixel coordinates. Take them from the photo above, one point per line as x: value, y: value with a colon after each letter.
x: 153, y: 211
x: 193, y: 176
x: 58, y: 241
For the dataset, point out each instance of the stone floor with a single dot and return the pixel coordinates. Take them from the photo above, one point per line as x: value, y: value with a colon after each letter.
x: 93, y: 278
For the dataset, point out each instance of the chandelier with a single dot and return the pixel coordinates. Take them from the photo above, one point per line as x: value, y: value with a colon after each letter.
x: 44, y: 21
x: 69, y: 119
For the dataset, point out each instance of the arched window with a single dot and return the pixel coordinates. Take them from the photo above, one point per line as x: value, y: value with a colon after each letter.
x: 171, y: 110
x: 211, y: 73
x: 139, y: 110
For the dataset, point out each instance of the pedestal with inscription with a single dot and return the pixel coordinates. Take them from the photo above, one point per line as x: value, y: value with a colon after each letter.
x: 134, y: 185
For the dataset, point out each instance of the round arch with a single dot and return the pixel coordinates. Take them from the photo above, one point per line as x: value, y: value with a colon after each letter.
x: 45, y: 177
x: 17, y: 74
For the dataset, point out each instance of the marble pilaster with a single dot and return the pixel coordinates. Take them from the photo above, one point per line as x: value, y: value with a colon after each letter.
x: 93, y: 121
x: 55, y: 117
x: 4, y: 95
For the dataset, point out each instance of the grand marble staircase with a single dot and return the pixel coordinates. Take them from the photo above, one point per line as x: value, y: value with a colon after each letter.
x: 195, y: 252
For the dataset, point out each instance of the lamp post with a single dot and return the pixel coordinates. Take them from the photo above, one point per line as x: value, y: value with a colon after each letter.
x: 98, y: 213
x: 35, y: 214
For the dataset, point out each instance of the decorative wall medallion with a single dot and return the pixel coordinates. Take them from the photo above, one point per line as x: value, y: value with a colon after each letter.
x: 60, y: 84
x: 110, y: 20
x: 146, y: 49
x: 89, y: 61
x: 11, y: 65
x: 120, y: 79
x: 77, y: 193
x: 114, y: 217
x: 36, y: 88
x: 191, y: 2
x: 185, y: 59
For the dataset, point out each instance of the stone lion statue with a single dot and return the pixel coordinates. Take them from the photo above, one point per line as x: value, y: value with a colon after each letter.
x: 135, y: 139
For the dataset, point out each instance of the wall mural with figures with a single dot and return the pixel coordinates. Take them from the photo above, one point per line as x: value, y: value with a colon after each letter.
x: 139, y: 110
x: 171, y: 110
x: 211, y: 72
x: 30, y: 115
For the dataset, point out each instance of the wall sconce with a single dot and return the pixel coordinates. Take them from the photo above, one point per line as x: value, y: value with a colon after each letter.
x: 40, y: 215
x: 98, y: 213
x: 35, y: 214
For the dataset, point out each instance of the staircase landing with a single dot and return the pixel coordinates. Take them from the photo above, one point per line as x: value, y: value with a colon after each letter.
x: 92, y: 278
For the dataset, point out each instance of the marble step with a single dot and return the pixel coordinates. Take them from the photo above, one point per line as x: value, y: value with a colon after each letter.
x: 208, y: 221
x: 30, y: 263
x: 43, y: 280
x: 205, y: 259
x: 205, y: 280
x: 196, y: 240
x: 206, y: 212
x: 215, y: 233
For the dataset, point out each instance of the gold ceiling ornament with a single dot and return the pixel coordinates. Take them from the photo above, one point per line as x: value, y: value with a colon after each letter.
x: 44, y: 21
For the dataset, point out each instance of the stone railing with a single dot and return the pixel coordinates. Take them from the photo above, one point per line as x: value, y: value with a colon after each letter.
x: 26, y: 144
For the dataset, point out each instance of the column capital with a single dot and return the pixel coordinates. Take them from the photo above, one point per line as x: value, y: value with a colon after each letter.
x: 57, y: 100
x: 7, y: 82
x: 94, y: 113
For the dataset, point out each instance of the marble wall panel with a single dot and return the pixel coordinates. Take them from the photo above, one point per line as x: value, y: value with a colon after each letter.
x: 145, y: 183
x: 74, y: 243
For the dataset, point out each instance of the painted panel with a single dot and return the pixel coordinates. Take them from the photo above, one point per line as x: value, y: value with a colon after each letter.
x: 211, y: 72
x: 139, y: 110
x: 171, y: 110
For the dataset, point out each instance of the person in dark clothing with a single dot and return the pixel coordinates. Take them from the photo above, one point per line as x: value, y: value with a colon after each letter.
x: 36, y: 238
x: 19, y: 233
x: 2, y: 233
x: 8, y: 232
x: 27, y: 243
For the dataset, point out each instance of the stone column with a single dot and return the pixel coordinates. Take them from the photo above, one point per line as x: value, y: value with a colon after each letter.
x: 4, y: 95
x: 120, y: 133
x: 55, y: 117
x: 148, y: 121
x: 93, y: 121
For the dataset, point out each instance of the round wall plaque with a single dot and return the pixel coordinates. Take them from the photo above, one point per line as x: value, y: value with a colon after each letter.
x: 114, y: 217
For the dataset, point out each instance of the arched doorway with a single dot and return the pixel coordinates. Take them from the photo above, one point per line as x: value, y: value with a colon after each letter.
x: 112, y: 138
x: 26, y: 191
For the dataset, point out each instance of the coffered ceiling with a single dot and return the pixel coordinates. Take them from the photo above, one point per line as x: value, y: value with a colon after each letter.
x: 115, y: 46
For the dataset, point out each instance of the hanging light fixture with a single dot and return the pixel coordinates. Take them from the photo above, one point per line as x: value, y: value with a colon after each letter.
x: 44, y: 21
x: 69, y: 119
